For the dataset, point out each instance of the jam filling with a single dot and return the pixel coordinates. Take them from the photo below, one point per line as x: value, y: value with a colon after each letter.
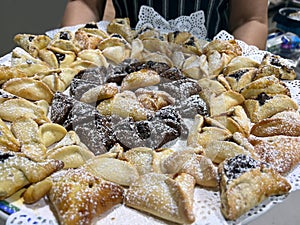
x: 91, y: 25
x: 5, y: 156
x: 191, y: 42
x: 262, y: 98
x: 64, y: 36
x: 117, y: 36
x: 144, y: 129
x: 60, y: 57
x: 238, y: 165
x: 176, y: 33
x: 120, y: 22
x: 238, y: 74
x: 275, y: 62
x: 31, y: 38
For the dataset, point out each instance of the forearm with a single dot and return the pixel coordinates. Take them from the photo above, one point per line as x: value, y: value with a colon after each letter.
x: 81, y: 12
x: 248, y: 21
x: 253, y: 33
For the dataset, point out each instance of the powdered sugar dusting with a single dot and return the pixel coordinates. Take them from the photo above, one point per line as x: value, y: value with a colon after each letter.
x: 79, y: 197
x: 206, y: 202
x: 281, y: 152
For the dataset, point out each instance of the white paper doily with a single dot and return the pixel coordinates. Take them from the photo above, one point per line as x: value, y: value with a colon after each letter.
x: 194, y: 23
x: 28, y: 217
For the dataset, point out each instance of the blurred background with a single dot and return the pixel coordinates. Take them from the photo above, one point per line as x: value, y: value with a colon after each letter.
x: 284, y: 30
x: 27, y: 16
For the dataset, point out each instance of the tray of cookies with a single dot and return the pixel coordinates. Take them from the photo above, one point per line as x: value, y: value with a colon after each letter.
x: 110, y: 125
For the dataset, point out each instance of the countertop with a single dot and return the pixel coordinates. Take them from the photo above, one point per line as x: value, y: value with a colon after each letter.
x: 285, y: 213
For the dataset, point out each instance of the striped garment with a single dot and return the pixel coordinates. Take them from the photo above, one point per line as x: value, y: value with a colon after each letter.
x: 216, y: 11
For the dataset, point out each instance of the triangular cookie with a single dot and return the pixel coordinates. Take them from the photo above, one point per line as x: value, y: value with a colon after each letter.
x: 161, y: 196
x: 245, y: 183
x: 280, y: 151
x: 78, y: 197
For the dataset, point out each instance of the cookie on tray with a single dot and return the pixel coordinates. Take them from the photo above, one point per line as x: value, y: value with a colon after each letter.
x: 245, y: 183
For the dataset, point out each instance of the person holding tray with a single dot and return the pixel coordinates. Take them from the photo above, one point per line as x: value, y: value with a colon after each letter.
x: 246, y: 20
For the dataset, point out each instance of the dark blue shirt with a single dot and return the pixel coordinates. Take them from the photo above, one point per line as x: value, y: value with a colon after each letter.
x: 216, y: 11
